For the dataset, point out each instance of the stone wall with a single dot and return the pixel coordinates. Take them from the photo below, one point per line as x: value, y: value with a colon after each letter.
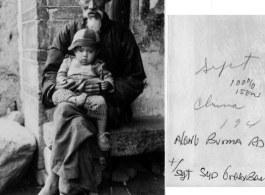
x: 34, y: 53
x: 147, y: 24
x: 9, y: 66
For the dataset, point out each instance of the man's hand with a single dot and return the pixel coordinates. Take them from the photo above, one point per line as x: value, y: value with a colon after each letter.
x: 105, y: 85
x: 70, y: 84
x: 92, y: 89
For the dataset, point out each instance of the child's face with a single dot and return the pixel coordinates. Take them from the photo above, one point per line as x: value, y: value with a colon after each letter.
x: 85, y: 55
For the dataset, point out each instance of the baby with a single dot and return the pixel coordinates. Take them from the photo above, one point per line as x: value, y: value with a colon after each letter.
x: 85, y: 69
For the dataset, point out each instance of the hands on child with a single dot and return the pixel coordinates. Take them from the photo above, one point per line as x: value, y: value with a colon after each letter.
x: 105, y: 85
x: 68, y: 84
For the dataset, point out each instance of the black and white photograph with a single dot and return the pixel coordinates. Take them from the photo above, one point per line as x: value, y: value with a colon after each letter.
x: 82, y: 97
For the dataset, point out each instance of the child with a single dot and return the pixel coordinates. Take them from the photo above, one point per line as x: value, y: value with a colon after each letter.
x: 85, y: 69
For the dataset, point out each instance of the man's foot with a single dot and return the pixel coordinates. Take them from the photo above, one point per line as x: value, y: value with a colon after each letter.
x: 51, y: 185
x: 103, y: 141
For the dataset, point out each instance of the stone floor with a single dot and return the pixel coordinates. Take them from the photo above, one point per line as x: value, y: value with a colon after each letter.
x: 145, y: 183
x: 149, y: 179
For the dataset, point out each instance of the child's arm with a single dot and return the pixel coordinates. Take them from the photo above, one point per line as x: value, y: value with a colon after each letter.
x: 62, y: 73
x: 61, y: 80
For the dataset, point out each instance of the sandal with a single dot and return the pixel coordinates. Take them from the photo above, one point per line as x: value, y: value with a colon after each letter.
x: 103, y: 141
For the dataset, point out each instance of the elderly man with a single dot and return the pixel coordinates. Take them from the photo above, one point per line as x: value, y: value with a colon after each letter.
x: 72, y: 161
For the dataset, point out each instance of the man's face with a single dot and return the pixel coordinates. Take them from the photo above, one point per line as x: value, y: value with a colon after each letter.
x: 93, y: 11
x: 91, y: 8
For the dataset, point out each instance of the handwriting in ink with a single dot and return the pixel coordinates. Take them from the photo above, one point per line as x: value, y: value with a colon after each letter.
x: 212, y: 140
x: 183, y: 174
x: 199, y: 105
x: 249, y: 124
x: 205, y: 68
x: 209, y: 175
x: 184, y: 140
x: 240, y: 176
x: 223, y: 124
x: 253, y: 124
x: 247, y: 92
x: 249, y: 82
x: 237, y: 121
x: 256, y: 142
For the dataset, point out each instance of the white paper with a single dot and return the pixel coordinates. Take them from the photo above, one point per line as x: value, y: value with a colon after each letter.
x: 216, y: 101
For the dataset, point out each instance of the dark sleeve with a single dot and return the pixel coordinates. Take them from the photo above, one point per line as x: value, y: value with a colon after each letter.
x: 131, y: 82
x: 55, y: 58
x: 52, y: 65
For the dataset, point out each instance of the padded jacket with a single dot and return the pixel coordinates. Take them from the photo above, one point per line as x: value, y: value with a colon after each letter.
x: 118, y: 50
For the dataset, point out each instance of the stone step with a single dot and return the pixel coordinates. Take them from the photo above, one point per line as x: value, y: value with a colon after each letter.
x: 140, y: 135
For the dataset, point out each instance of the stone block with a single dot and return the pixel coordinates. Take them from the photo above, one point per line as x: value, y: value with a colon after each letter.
x: 29, y: 31
x: 27, y: 4
x: 41, y: 2
x: 54, y: 28
x: 151, y: 101
x: 140, y: 135
x: 32, y: 122
x: 42, y: 115
x: 30, y: 75
x: 62, y: 3
x: 41, y: 56
x: 30, y: 54
x: 43, y: 35
x: 42, y: 13
x: 17, y: 147
x: 31, y: 107
x: 24, y: 32
x: 16, y: 116
x: 30, y: 90
x: 65, y: 13
x: 29, y: 15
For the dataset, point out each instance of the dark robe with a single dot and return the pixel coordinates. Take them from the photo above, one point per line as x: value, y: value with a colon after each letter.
x: 71, y: 156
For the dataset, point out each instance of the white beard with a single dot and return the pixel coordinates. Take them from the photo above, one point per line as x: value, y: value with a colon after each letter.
x: 94, y: 23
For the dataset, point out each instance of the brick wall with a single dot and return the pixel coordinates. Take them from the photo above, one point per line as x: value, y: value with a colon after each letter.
x: 9, y: 66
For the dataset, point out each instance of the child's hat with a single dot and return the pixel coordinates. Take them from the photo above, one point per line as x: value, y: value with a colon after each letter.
x: 86, y: 38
